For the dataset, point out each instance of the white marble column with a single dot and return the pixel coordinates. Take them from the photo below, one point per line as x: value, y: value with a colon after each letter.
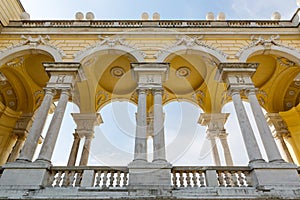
x: 86, y: 149
x: 226, y: 149
x: 86, y: 123
x: 54, y: 127
x: 252, y: 148
x: 140, y: 148
x: 74, y: 150
x: 214, y: 149
x: 280, y: 132
x: 272, y: 151
x: 21, y: 132
x: 159, y: 151
x: 31, y: 142
x: 215, y: 130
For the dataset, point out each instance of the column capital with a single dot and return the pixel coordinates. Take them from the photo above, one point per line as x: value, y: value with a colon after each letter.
x: 214, y: 121
x: 150, y: 75
x: 63, y: 74
x: 86, y: 122
x: 236, y: 75
x: 280, y: 128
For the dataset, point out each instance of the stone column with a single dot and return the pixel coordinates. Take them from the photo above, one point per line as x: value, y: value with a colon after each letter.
x: 86, y: 123
x: 237, y: 77
x: 86, y: 150
x: 246, y: 129
x: 74, y: 150
x: 280, y: 132
x: 20, y: 131
x: 54, y: 127
x: 264, y: 130
x: 159, y: 152
x: 226, y: 149
x: 140, y: 148
x: 31, y: 142
x: 215, y: 129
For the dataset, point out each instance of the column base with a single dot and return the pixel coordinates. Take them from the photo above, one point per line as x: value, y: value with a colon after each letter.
x: 147, y: 179
x: 24, y: 175
x: 268, y: 176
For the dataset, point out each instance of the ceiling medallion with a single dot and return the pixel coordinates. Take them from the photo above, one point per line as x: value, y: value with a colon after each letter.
x: 183, y: 72
x: 117, y: 72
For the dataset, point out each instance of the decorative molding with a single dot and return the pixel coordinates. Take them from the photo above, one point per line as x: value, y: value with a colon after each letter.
x: 285, y: 62
x: 183, y: 72
x: 34, y: 42
x: 198, y: 97
x: 109, y: 42
x: 16, y: 62
x: 117, y: 72
x: 266, y: 43
x: 189, y: 43
x: 101, y: 97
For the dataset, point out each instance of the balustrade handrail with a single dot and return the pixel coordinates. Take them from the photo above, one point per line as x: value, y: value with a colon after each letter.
x: 151, y: 23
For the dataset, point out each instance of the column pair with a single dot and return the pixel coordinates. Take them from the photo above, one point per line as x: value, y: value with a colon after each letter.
x: 150, y: 77
x: 215, y: 130
x: 61, y: 82
x: 237, y: 77
x: 140, y: 152
x: 86, y: 123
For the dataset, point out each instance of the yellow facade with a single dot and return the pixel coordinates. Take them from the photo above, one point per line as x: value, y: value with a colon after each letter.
x: 106, y: 48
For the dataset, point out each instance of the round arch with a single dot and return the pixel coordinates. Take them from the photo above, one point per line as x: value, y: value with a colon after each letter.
x: 21, y: 50
x: 183, y: 48
x: 89, y: 51
x: 289, y: 53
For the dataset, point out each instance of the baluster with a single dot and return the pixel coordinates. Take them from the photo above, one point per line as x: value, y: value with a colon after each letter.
x: 52, y: 178
x: 65, y: 179
x: 248, y: 179
x: 118, y: 178
x: 228, y: 179
x: 98, y: 179
x: 195, y: 179
x: 112, y: 178
x: 58, y: 179
x: 201, y: 179
x: 78, y: 179
x: 181, y: 179
x: 71, y: 178
x: 174, y: 179
x: 241, y: 179
x: 221, y: 179
x: 125, y: 179
x: 104, y: 180
x: 234, y: 179
x: 188, y: 179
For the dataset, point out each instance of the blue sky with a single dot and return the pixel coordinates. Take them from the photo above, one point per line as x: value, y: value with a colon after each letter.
x: 168, y: 9
x: 185, y: 139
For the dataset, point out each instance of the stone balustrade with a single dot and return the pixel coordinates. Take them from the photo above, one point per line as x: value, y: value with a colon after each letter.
x: 107, y: 178
x: 149, y: 23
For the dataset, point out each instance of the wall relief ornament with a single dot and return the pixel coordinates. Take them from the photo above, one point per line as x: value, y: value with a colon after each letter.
x: 34, y: 42
x: 109, y: 42
x: 189, y: 43
x: 266, y: 43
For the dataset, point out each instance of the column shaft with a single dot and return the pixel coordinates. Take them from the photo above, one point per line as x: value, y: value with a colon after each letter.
x: 86, y: 150
x: 159, y: 152
x: 31, y: 142
x: 246, y: 129
x: 74, y: 150
x: 285, y: 150
x: 215, y: 152
x: 140, y: 149
x: 54, y: 127
x: 264, y: 130
x: 16, y: 150
x: 227, y: 154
